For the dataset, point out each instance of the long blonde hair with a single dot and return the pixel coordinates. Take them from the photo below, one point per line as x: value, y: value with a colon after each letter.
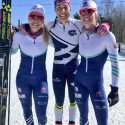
x: 46, y: 35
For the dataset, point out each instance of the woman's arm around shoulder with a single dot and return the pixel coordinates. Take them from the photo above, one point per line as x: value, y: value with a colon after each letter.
x: 49, y: 25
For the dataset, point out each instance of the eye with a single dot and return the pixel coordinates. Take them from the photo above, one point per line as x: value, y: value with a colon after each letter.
x: 39, y: 17
x: 31, y: 16
x: 65, y: 8
x: 58, y: 8
x: 89, y: 10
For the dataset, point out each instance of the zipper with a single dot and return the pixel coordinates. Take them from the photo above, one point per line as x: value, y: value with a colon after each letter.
x: 32, y: 60
x: 34, y: 41
x: 32, y: 65
x: 87, y: 36
x: 86, y: 64
x: 63, y: 28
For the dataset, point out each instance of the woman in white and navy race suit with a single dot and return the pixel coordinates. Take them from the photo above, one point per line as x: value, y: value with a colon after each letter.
x: 94, y: 51
x: 32, y: 75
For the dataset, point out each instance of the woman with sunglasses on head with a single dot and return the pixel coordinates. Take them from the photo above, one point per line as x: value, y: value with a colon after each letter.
x: 65, y: 32
x: 94, y: 51
x: 32, y: 75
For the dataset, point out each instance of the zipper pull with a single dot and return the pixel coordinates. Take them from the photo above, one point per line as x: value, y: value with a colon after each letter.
x: 32, y: 65
x: 87, y: 36
x: 86, y: 64
x: 34, y: 41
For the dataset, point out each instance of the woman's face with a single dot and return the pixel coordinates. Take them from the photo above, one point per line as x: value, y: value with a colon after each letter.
x: 63, y: 12
x: 89, y: 20
x: 36, y: 21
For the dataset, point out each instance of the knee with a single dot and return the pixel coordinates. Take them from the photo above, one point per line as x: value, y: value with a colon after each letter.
x: 59, y: 101
x: 43, y: 99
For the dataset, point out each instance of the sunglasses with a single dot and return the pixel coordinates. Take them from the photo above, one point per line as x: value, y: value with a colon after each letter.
x: 36, y: 17
x: 86, y: 11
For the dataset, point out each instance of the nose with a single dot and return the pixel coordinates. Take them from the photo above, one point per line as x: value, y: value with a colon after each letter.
x: 63, y: 10
x: 86, y: 15
x: 35, y: 20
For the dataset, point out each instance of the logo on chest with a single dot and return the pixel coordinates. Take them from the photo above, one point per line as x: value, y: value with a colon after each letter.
x: 72, y: 32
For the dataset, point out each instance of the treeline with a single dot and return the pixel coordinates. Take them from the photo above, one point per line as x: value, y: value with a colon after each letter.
x: 113, y: 12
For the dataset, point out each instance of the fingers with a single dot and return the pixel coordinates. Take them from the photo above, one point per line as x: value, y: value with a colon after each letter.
x: 22, y: 29
x: 102, y: 30
x: 112, y: 102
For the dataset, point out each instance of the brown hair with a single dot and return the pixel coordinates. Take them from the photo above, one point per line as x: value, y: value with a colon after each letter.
x: 54, y: 22
x: 46, y: 35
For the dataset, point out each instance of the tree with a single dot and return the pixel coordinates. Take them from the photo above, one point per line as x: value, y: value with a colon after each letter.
x: 18, y: 23
x: 115, y: 16
x: 76, y: 16
x: 108, y: 20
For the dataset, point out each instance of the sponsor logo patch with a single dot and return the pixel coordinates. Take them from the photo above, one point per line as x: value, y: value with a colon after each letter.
x: 43, y: 89
x: 98, y: 94
x: 101, y: 107
x: 72, y: 32
x: 85, y: 4
x: 35, y: 7
x: 42, y: 103
x: 76, y: 89
x: 1, y: 61
x: 19, y: 90
x: 56, y: 80
x: 72, y: 84
x: 115, y: 45
x: 78, y: 95
x: 22, y: 96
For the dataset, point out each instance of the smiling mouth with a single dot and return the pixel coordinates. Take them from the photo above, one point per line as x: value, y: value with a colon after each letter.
x: 35, y: 25
x: 86, y: 19
x: 63, y: 16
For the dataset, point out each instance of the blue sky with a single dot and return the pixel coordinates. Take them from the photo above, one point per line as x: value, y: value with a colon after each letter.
x: 20, y: 9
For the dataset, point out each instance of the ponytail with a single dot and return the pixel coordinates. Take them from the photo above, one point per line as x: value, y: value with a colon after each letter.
x: 46, y: 35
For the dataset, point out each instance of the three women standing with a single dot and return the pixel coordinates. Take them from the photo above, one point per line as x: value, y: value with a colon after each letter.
x: 65, y: 33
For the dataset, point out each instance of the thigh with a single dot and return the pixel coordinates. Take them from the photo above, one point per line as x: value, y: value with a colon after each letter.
x: 40, y: 93
x: 82, y: 98
x: 59, y: 82
x: 99, y: 101
x: 81, y: 90
x: 24, y: 90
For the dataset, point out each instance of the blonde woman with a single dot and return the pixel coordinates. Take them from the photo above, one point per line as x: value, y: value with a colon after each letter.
x: 32, y: 75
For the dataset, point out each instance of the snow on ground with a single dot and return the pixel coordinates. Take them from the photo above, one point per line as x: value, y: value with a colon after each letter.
x: 116, y: 113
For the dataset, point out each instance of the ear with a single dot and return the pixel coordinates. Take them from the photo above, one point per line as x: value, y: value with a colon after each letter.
x: 96, y: 15
x: 42, y: 22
